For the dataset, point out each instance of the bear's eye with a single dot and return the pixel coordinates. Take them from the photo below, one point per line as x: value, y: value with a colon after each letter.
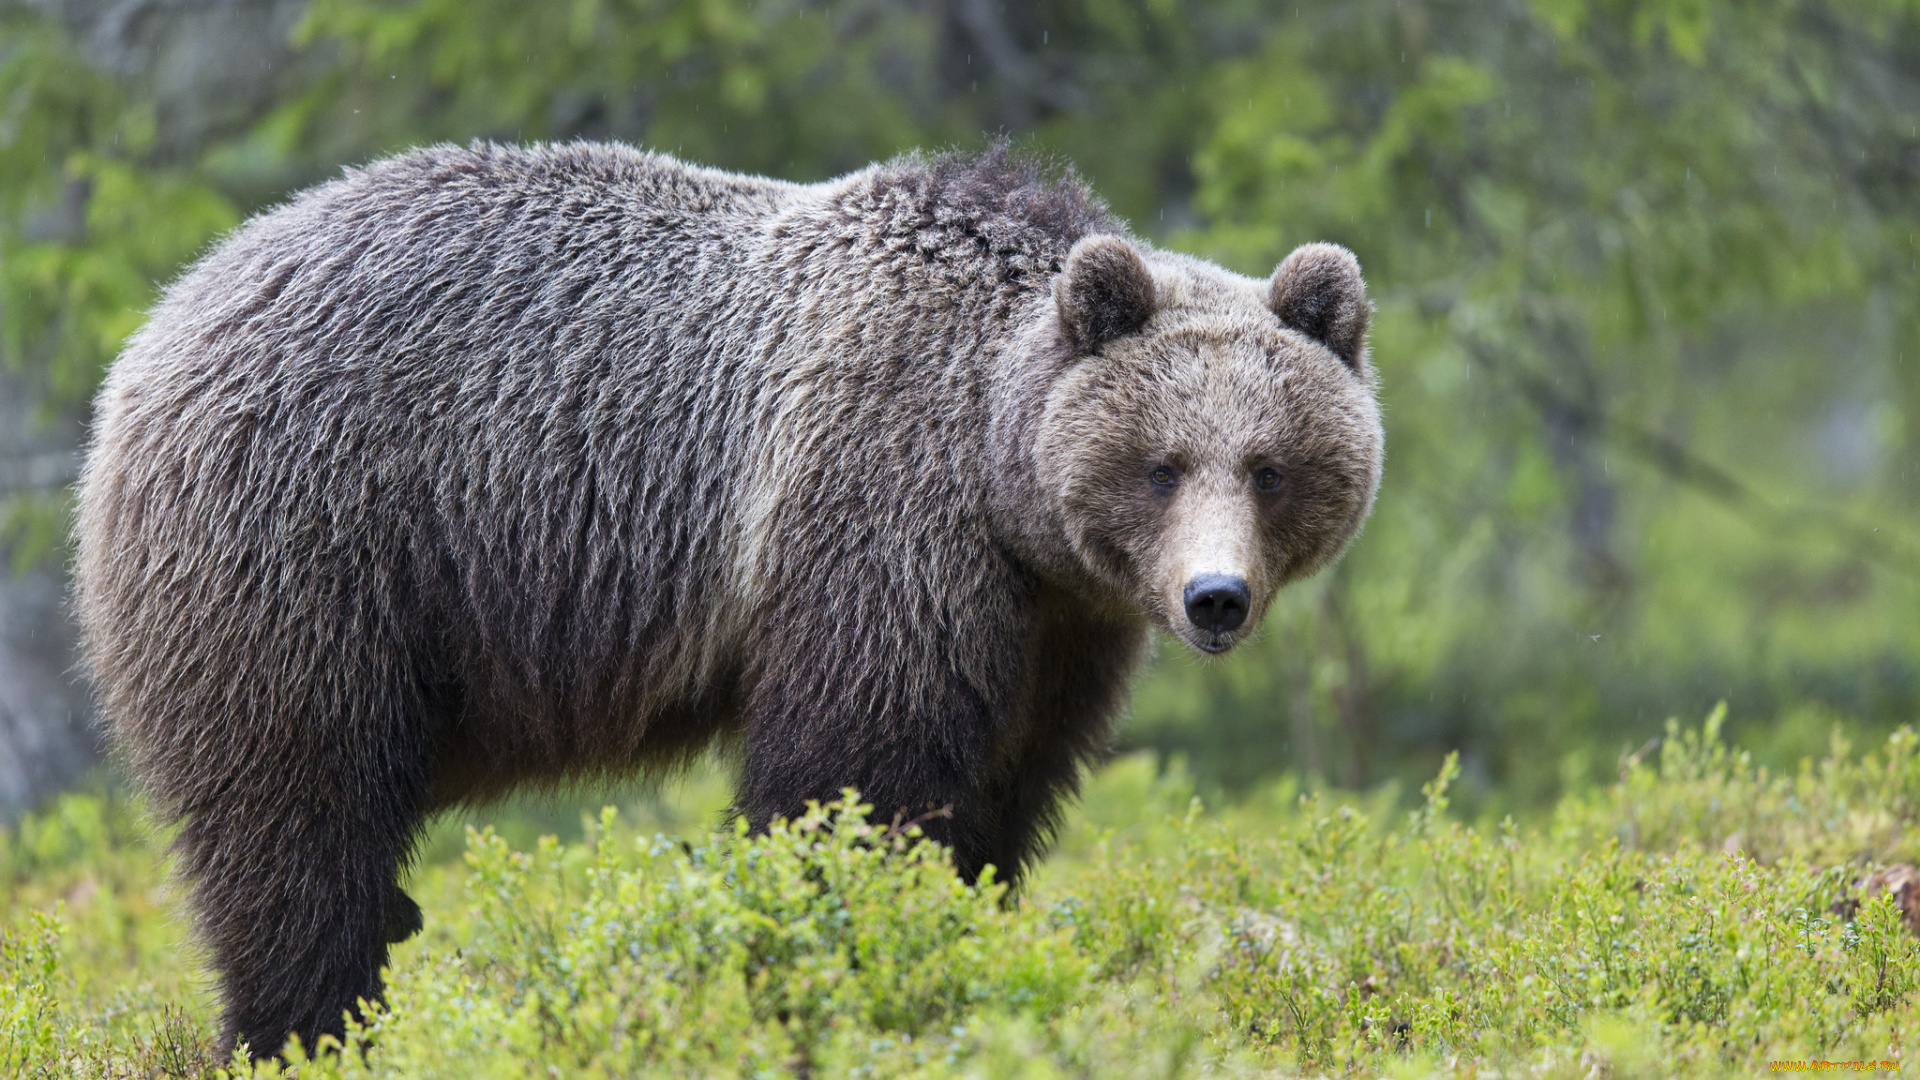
x: 1267, y: 479
x: 1164, y: 477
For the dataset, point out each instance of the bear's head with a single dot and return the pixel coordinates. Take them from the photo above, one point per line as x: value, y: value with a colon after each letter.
x: 1207, y: 437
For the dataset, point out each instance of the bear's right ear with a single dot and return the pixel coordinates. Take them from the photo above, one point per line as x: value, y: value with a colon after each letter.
x: 1104, y: 291
x: 1318, y: 291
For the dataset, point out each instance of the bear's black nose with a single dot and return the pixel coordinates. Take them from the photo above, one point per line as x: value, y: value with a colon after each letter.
x: 1217, y: 603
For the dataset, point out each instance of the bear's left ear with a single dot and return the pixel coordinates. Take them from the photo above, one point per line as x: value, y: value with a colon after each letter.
x: 1318, y: 292
x: 1103, y: 292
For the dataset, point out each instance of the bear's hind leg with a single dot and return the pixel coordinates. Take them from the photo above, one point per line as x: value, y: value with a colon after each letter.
x: 294, y: 837
x: 297, y: 908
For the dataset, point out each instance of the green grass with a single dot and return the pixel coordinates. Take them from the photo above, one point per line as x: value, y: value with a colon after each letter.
x: 1679, y: 921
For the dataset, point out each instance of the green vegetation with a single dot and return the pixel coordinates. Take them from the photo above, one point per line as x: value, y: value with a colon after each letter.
x: 1648, y: 275
x: 1688, y: 918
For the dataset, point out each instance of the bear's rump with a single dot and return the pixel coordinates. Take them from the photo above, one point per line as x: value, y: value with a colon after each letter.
x: 532, y: 607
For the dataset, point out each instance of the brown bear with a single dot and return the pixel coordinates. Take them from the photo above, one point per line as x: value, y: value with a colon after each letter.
x: 497, y: 466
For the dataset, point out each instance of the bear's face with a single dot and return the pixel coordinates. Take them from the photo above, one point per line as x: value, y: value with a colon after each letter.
x: 1214, y: 437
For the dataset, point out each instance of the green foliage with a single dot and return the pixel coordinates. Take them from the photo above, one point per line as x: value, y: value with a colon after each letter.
x: 624, y: 954
x: 95, y: 972
x: 29, y: 1005
x: 797, y: 89
x: 89, y: 224
x: 1648, y: 323
x: 693, y: 76
x: 1698, y: 916
x: 1648, y: 276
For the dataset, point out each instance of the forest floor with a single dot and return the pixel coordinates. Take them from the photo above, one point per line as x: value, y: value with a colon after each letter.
x: 1699, y: 916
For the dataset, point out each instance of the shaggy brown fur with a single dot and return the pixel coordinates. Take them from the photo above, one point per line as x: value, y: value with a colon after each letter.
x: 493, y: 466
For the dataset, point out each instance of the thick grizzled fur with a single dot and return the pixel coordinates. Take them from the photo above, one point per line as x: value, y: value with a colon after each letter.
x: 494, y: 466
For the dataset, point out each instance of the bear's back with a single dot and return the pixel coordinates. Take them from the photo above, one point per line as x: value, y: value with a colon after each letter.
x: 618, y: 174
x: 444, y: 233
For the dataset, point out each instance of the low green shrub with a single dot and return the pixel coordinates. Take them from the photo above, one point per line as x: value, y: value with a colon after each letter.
x: 1698, y: 917
x: 758, y: 955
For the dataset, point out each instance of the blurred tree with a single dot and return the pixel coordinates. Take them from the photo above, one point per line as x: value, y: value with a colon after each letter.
x: 92, y: 214
x: 1647, y: 287
x: 1646, y: 272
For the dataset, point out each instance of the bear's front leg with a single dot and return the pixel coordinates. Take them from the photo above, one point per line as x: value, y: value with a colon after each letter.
x: 903, y: 701
x: 1079, y: 668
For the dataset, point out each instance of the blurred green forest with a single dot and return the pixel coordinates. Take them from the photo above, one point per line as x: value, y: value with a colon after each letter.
x: 1647, y: 271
